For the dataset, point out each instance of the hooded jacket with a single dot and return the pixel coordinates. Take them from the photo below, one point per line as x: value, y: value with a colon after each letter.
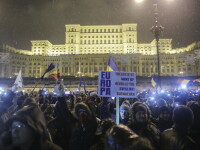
x: 146, y: 129
x: 33, y: 117
x: 61, y: 126
x: 83, y: 135
x: 177, y: 138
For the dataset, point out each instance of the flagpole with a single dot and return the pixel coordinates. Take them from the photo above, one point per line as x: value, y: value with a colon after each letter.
x: 35, y: 86
x: 117, y: 110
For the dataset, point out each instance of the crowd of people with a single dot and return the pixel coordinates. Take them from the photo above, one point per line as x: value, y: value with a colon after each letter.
x: 84, y: 121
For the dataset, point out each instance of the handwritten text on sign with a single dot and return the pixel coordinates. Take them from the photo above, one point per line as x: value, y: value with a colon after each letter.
x: 117, y: 84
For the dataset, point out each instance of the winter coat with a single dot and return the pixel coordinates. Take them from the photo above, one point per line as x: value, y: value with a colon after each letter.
x: 173, y: 139
x: 61, y: 126
x: 32, y: 117
x: 83, y: 135
x: 147, y: 129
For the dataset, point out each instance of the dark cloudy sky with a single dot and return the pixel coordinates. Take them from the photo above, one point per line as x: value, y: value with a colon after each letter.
x: 25, y: 20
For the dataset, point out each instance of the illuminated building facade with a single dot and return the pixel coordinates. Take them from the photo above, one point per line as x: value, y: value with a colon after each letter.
x: 88, y: 48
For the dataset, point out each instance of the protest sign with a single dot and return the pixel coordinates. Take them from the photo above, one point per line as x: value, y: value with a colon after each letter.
x: 117, y: 84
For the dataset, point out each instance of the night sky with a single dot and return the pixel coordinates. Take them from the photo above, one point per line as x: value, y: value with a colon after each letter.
x: 25, y: 20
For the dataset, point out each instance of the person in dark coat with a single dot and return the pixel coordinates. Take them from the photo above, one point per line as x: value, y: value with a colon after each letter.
x: 26, y: 130
x: 61, y: 126
x: 104, y: 109
x: 177, y: 137
x: 83, y: 134
x: 140, y: 144
x: 104, y: 126
x: 195, y: 128
x: 164, y: 120
x: 142, y: 124
x: 119, y: 137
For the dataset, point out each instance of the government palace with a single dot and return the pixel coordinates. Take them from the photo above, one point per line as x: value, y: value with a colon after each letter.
x: 87, y: 49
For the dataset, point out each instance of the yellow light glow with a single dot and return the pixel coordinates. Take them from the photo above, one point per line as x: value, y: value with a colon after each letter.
x: 139, y: 1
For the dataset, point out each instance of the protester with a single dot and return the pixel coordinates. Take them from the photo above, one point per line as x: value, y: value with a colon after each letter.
x: 124, y: 114
x: 195, y: 128
x: 119, y: 137
x: 83, y: 134
x: 104, y: 126
x: 61, y: 126
x: 164, y: 120
x: 104, y: 109
x: 178, y: 136
x: 142, y: 124
x: 26, y: 130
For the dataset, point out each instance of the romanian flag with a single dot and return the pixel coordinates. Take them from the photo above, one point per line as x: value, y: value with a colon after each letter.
x: 184, y: 82
x: 154, y: 81
x: 111, y: 65
x: 197, y: 81
x: 51, y: 72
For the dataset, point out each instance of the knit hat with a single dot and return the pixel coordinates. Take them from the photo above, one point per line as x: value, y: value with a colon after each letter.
x: 183, y: 116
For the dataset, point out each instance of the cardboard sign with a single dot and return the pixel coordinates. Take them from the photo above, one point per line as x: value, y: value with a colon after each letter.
x: 117, y: 84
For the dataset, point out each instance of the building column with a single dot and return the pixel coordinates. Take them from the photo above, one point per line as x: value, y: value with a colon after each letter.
x: 2, y: 68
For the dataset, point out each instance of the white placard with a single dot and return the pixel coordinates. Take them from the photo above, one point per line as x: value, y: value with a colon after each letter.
x: 117, y: 84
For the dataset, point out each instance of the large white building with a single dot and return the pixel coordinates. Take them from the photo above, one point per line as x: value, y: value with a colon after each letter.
x: 87, y: 49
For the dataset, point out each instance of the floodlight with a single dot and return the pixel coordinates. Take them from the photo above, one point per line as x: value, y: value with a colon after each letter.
x: 139, y: 1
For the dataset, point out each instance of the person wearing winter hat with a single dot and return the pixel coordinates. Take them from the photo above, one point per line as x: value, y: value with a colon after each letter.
x: 62, y: 125
x: 164, y: 120
x: 142, y: 125
x: 182, y: 119
x: 83, y: 134
x: 26, y: 130
x: 104, y: 126
x: 195, y: 130
x: 124, y: 114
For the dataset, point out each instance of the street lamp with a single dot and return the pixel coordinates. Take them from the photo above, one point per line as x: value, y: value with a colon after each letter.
x: 156, y: 30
